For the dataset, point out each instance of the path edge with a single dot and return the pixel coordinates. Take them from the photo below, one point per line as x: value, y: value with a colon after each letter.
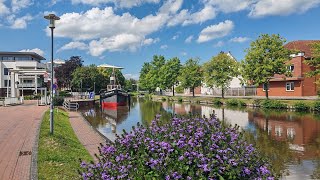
x: 34, y: 155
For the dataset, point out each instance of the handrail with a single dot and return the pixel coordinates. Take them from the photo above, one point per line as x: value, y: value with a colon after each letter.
x: 71, y: 105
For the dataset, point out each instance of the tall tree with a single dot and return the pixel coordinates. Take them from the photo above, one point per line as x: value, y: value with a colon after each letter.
x: 143, y: 79
x: 130, y: 85
x: 265, y: 58
x: 219, y: 71
x: 150, y: 74
x: 64, y: 72
x: 191, y: 75
x: 314, y: 62
x: 169, y: 73
x: 88, y: 78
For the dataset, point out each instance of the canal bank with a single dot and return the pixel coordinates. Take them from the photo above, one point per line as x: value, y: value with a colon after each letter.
x: 292, y: 138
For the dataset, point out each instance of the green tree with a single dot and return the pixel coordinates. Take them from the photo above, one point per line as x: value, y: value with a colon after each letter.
x: 219, y: 71
x: 87, y: 77
x: 265, y: 58
x: 190, y: 75
x: 169, y: 73
x: 314, y: 61
x: 64, y: 72
x: 143, y: 79
x: 130, y: 85
x: 150, y: 74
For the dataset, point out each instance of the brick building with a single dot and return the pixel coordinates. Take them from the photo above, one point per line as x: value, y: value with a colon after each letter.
x: 298, y: 84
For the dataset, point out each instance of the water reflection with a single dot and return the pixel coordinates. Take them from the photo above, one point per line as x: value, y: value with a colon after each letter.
x: 291, y: 140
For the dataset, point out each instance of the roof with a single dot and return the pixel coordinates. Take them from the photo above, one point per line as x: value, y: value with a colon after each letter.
x: 109, y: 66
x: 33, y: 54
x: 302, y: 46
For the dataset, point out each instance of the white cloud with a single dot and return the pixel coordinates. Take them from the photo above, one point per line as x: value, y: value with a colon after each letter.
x: 36, y: 50
x: 215, y: 31
x: 107, y: 31
x: 184, y: 53
x: 118, y: 3
x: 228, y: 6
x: 239, y: 39
x: 3, y: 8
x: 184, y: 17
x: 189, y: 39
x: 283, y: 7
x: 74, y: 45
x: 164, y: 46
x: 175, y: 37
x: 19, y: 23
x: 171, y: 7
x: 17, y: 5
x: 219, y: 44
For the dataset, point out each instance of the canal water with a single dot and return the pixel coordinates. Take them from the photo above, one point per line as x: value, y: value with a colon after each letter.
x: 290, y: 139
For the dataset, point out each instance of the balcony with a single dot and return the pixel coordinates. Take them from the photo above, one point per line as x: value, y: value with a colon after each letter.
x: 28, y: 85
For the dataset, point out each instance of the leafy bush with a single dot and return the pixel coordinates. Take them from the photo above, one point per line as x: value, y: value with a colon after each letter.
x: 163, y: 99
x: 273, y: 104
x: 232, y: 102
x: 217, y: 101
x: 256, y: 102
x: 65, y: 94
x: 179, y: 89
x: 241, y: 103
x: 301, y: 106
x: 180, y: 99
x: 186, y: 148
x: 58, y: 101
x: 316, y: 106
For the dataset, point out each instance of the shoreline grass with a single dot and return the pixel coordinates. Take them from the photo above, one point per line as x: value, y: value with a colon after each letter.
x: 58, y: 154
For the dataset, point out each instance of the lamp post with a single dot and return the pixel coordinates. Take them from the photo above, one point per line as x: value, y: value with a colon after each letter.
x: 52, y: 18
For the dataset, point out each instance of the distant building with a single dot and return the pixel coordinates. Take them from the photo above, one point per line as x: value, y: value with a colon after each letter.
x: 20, y: 71
x: 298, y: 84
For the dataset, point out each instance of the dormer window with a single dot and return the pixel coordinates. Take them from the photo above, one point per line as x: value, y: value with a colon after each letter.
x: 291, y: 68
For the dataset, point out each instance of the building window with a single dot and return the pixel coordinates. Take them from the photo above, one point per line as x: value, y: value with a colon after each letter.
x: 7, y: 58
x: 5, y: 71
x: 291, y: 68
x: 21, y: 58
x: 28, y: 81
x: 291, y: 133
x: 265, y: 87
x: 6, y: 83
x: 278, y: 131
x: 290, y: 86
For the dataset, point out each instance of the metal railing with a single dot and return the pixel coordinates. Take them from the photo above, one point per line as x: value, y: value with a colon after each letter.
x: 71, y: 106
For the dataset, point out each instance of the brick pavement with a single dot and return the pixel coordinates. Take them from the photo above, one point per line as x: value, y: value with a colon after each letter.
x: 18, y: 128
x: 86, y: 134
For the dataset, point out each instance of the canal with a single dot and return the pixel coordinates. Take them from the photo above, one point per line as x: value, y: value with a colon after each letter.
x: 290, y: 139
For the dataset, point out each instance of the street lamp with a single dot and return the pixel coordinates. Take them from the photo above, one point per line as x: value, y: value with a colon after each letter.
x: 52, y: 18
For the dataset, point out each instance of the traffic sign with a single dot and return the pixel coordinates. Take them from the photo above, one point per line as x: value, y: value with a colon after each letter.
x: 55, y: 86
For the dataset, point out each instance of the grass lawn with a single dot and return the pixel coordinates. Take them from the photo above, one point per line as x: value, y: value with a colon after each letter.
x: 58, y: 156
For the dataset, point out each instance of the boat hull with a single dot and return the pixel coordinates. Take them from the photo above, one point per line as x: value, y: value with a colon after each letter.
x: 113, y: 99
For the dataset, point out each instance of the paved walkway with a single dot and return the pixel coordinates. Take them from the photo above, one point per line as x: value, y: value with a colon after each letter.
x: 18, y: 129
x: 86, y: 134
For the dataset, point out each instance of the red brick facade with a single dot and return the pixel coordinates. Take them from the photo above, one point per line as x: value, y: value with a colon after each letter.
x: 303, y: 86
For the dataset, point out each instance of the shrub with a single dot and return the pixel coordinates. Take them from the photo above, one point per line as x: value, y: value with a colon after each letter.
x: 186, y: 148
x: 241, y: 103
x: 163, y: 99
x: 301, y: 106
x: 273, y: 104
x: 180, y: 99
x: 179, y: 89
x: 58, y: 101
x: 316, y: 106
x: 217, y: 101
x: 232, y: 102
x: 65, y: 94
x: 256, y: 102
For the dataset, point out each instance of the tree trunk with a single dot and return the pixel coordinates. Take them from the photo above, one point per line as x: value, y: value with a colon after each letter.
x: 267, y: 89
x: 193, y: 91
x: 173, y: 90
x: 222, y: 93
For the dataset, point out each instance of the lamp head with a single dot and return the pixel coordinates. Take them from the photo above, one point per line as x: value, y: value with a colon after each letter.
x: 52, y: 18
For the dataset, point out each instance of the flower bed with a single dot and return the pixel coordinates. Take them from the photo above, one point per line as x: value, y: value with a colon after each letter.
x: 186, y: 148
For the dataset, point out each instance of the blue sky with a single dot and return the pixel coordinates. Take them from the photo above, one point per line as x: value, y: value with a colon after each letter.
x: 129, y: 32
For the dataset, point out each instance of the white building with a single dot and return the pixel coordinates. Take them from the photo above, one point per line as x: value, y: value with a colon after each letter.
x: 24, y: 69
